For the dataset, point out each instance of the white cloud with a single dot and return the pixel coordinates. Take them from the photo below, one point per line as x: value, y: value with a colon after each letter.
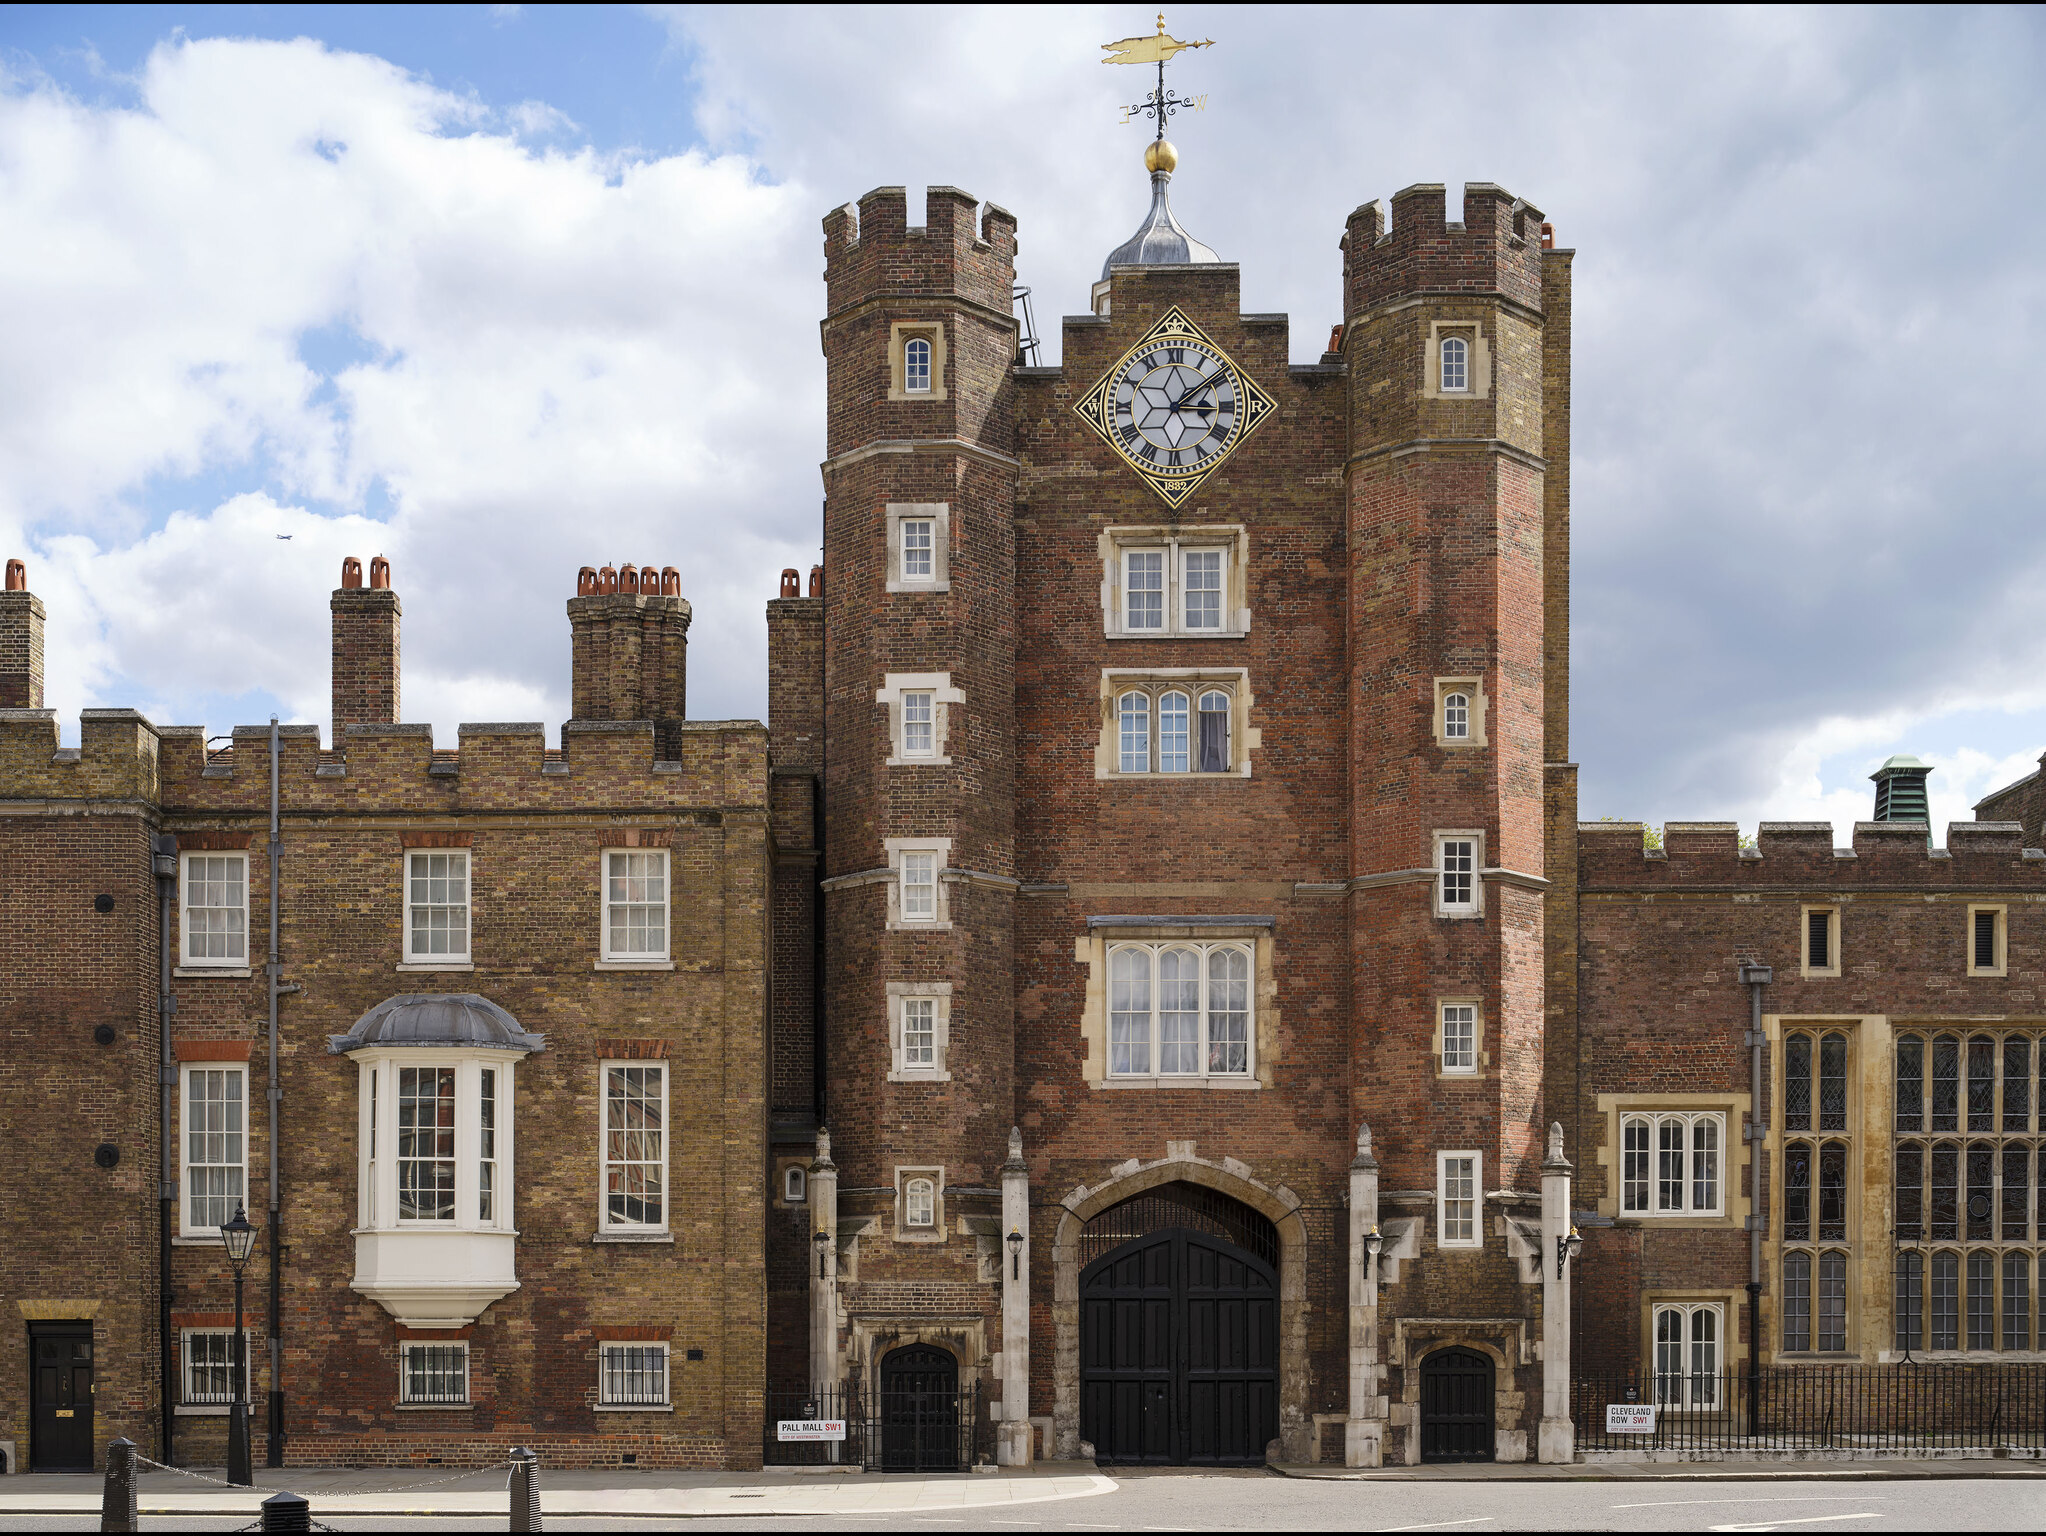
x: 560, y: 359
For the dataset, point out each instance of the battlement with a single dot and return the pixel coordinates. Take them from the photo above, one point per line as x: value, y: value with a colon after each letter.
x: 1800, y: 856
x: 871, y: 250
x: 1496, y: 249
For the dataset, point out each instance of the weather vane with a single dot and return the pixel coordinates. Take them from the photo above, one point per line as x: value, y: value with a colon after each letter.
x: 1161, y: 103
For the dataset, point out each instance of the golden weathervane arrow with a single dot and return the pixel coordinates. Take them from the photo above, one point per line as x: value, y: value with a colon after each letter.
x: 1156, y: 49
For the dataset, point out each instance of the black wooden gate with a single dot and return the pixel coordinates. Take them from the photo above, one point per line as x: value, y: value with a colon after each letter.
x: 919, y: 1410
x: 1456, y: 1406
x: 60, y: 1417
x: 1179, y: 1346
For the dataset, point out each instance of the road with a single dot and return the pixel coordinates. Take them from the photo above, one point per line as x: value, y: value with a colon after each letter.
x: 1258, y: 1501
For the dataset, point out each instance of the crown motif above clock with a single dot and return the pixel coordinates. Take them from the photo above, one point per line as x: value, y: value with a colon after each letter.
x: 1175, y: 406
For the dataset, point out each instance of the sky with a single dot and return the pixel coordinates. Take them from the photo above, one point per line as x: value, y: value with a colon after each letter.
x: 498, y: 292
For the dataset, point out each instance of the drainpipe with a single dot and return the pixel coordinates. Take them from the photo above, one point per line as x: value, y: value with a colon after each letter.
x: 275, y: 1455
x: 164, y: 863
x: 1755, y: 977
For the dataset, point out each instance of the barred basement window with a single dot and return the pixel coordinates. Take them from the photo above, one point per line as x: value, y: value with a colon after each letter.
x: 633, y: 1376
x: 213, y: 907
x: 635, y: 905
x: 207, y: 1358
x: 1970, y: 1211
x: 434, y: 1373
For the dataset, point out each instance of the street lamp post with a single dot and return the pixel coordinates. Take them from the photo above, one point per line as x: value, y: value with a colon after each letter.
x: 239, y: 1238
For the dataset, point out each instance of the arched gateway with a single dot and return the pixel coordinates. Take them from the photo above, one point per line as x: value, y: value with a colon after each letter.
x: 1179, y: 1329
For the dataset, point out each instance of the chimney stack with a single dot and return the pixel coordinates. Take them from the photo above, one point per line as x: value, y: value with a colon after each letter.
x: 21, y: 642
x: 365, y: 647
x: 629, y: 628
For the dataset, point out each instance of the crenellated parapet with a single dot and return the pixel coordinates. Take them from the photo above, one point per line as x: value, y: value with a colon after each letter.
x: 872, y: 250
x: 118, y: 756
x: 1496, y: 248
x: 1802, y: 856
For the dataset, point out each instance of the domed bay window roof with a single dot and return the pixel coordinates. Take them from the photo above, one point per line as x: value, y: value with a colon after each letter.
x: 434, y: 1240
x: 1160, y: 241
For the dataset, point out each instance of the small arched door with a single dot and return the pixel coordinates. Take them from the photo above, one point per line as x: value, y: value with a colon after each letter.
x: 919, y: 1410
x: 1456, y: 1406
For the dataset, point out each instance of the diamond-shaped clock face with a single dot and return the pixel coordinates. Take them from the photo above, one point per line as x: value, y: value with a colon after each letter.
x: 1175, y: 406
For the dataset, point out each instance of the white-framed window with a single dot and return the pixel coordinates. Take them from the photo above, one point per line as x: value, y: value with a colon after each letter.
x: 1456, y: 352
x: 215, y: 1144
x: 1176, y: 589
x: 635, y: 1146
x: 920, y: 1203
x: 795, y: 1186
x: 919, y: 887
x: 919, y: 737
x: 1456, y: 873
x: 434, y: 1373
x: 1458, y: 1221
x: 1460, y: 1037
x: 919, y: 716
x: 486, y: 1145
x: 1180, y: 1010
x: 916, y: 366
x: 919, y: 1026
x: 213, y: 906
x: 206, y: 1367
x: 1173, y: 729
x: 426, y: 1143
x: 436, y: 905
x: 1673, y: 1164
x: 632, y: 1375
x: 919, y: 540
x: 1688, y: 1338
x: 1456, y: 715
x: 917, y: 564
x: 635, y: 904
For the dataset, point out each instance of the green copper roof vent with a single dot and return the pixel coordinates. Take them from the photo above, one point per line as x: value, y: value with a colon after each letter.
x: 1900, y: 791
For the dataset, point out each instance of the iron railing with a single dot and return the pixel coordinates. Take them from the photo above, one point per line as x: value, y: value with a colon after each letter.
x: 886, y: 1429
x: 1871, y: 1410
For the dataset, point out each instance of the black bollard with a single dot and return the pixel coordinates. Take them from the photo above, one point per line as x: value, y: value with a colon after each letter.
x: 117, y: 1503
x: 287, y: 1512
x: 525, y: 1490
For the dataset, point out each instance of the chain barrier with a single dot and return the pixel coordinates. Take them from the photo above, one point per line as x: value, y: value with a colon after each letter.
x: 361, y: 1493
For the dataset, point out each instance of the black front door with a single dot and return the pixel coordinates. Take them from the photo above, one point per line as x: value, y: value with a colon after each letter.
x: 60, y: 1412
x: 1456, y: 1406
x: 919, y: 1410
x: 1179, y: 1351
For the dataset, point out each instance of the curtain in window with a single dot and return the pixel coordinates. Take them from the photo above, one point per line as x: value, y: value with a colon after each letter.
x: 1179, y: 1011
x: 1214, y: 733
x: 1228, y: 1011
x: 1129, y: 1011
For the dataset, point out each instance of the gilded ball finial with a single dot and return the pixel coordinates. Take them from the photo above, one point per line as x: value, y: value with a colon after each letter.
x: 1159, y: 155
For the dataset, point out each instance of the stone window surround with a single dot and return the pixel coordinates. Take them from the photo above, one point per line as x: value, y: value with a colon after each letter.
x: 1473, y: 688
x: 900, y: 331
x: 1479, y: 362
x: 941, y: 917
x: 939, y: 515
x: 1202, y: 947
x: 1091, y: 951
x: 935, y: 1232
x: 1480, y: 1056
x: 1460, y: 834
x: 1245, y: 738
x: 1654, y: 1115
x: 1476, y: 1240
x: 943, y: 697
x: 941, y: 993
x: 1234, y: 538
x: 2002, y: 966
x: 185, y: 964
x: 1805, y: 968
x: 607, y: 1229
x: 1735, y: 1200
